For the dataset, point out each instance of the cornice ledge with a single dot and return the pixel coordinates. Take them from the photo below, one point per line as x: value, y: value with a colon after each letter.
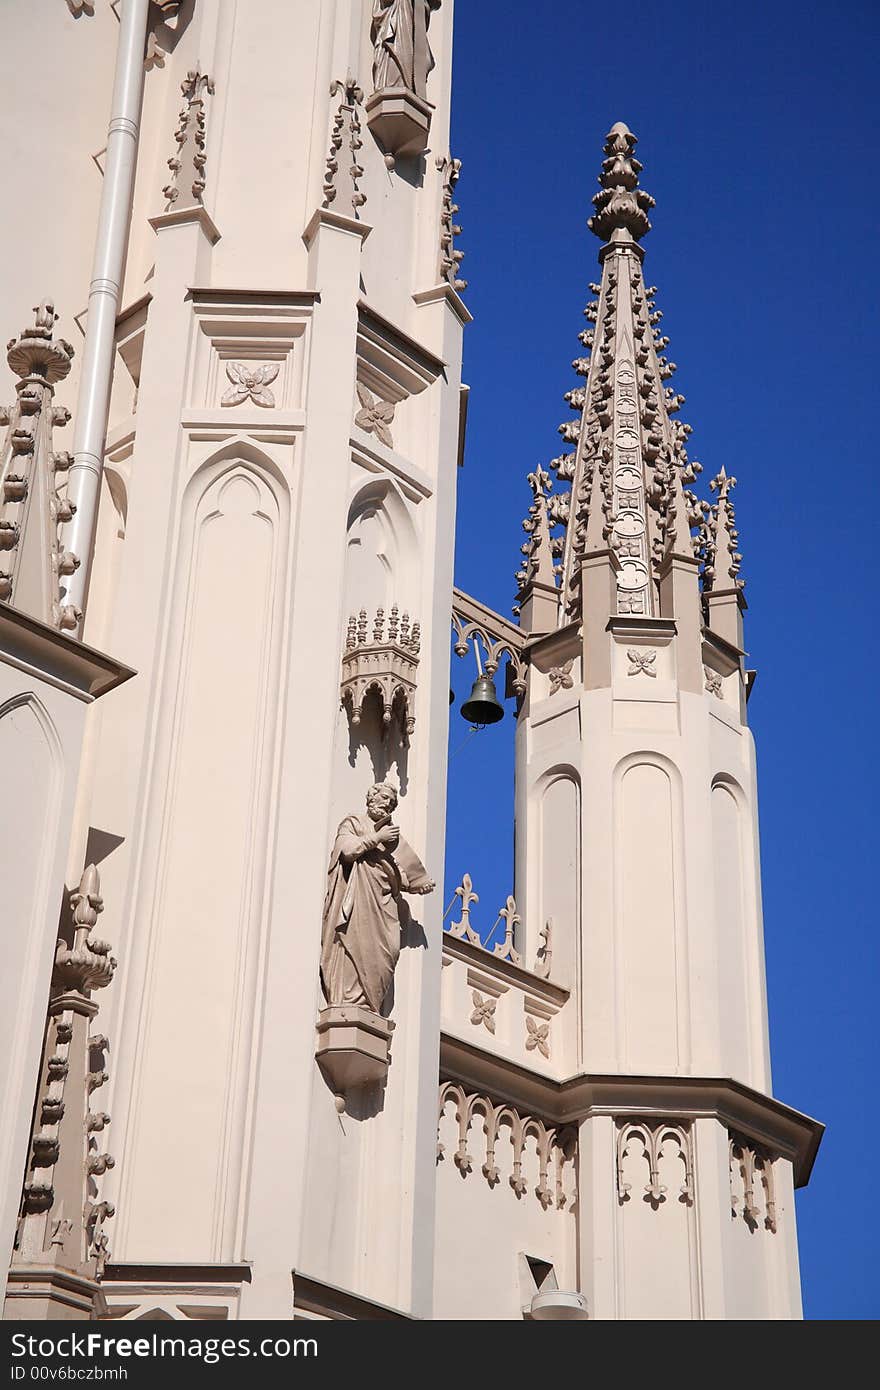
x: 789, y: 1132
x: 547, y: 649
x: 727, y: 594
x: 225, y: 297
x: 677, y: 557
x: 323, y: 217
x: 437, y: 293
x: 66, y: 1287
x: 388, y: 335
x: 728, y: 649
x: 181, y: 216
x: 183, y: 1273
x: 376, y: 457
x: 635, y: 625
x: 329, y: 1301
x: 83, y: 671
x: 518, y: 975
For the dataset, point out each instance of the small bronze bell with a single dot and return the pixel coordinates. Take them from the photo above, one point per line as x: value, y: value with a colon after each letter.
x: 483, y: 706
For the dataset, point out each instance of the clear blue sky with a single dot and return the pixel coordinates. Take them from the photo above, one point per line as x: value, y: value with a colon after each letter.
x: 758, y: 130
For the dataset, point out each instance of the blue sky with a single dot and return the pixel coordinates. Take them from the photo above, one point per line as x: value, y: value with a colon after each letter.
x: 758, y: 134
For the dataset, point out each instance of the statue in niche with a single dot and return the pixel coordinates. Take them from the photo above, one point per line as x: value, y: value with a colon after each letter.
x: 371, y: 866
x: 402, y: 56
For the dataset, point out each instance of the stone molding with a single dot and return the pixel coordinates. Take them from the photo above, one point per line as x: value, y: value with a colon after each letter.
x: 315, y: 1298
x: 556, y: 1146
x: 759, y: 1118
x: 400, y: 121
x: 353, y: 1046
x: 519, y: 976
x: 69, y: 665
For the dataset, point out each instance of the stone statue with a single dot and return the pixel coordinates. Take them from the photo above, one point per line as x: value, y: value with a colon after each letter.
x: 402, y: 56
x: 370, y: 867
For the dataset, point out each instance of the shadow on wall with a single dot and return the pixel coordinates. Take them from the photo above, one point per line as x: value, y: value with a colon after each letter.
x: 386, y: 745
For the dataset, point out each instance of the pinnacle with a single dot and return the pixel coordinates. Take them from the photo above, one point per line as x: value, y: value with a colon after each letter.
x: 622, y: 206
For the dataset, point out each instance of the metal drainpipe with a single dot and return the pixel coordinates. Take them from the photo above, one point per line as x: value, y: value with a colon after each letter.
x: 111, y: 241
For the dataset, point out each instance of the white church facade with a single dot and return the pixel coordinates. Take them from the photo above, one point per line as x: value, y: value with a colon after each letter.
x: 248, y: 1068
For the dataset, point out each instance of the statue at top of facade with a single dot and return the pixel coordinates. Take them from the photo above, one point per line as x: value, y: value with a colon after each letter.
x: 402, y: 56
x: 371, y: 866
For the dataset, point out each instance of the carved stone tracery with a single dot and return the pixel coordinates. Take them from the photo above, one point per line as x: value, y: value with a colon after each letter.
x: 384, y: 660
x: 752, y: 1187
x: 556, y: 1148
x: 498, y: 637
x: 648, y: 1140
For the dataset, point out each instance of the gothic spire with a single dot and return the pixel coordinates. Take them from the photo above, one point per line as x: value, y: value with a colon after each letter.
x: 628, y: 466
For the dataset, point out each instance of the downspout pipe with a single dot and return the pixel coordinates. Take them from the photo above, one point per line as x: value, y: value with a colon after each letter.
x: 111, y: 242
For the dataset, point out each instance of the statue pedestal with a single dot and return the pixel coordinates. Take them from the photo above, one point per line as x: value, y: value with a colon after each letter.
x: 399, y: 120
x: 353, y: 1046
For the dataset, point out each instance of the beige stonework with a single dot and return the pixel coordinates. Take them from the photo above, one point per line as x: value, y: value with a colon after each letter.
x: 260, y: 295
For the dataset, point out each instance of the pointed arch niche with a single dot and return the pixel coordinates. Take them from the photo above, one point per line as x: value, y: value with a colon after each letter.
x: 740, y: 963
x: 211, y: 801
x: 380, y: 551
x: 381, y: 569
x: 649, y: 911
x: 558, y: 795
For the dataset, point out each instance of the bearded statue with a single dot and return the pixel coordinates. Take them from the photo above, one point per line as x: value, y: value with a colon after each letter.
x: 371, y: 865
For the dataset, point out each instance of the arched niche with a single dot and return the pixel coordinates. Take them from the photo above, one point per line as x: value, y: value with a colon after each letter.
x: 381, y: 570
x: 210, y: 820
x: 558, y: 799
x: 381, y: 551
x: 740, y: 972
x: 650, y: 914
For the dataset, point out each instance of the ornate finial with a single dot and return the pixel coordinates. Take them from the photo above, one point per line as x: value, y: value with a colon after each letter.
x: 462, y: 928
x: 722, y: 558
x: 188, y: 164
x: 343, y: 170
x: 35, y: 353
x: 450, y: 258
x: 621, y: 207
x: 506, y: 949
x: 32, y: 557
x: 86, y: 964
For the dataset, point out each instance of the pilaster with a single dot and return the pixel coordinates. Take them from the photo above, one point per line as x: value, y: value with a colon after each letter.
x: 680, y: 599
x: 599, y: 571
